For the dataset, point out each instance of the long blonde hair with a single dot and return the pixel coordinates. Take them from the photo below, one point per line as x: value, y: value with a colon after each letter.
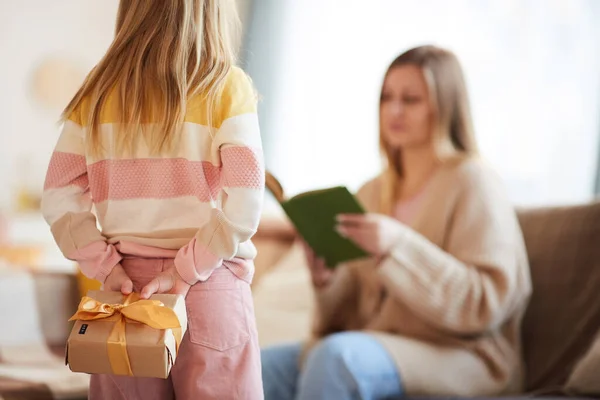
x: 164, y: 52
x: 453, y: 134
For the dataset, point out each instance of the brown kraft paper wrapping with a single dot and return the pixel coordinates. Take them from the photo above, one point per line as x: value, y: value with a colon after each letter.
x: 151, y: 352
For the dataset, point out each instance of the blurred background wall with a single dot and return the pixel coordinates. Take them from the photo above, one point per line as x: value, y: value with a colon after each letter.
x: 532, y: 67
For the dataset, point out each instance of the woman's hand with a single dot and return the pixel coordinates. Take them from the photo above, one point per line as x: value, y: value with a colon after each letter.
x: 168, y: 281
x: 320, y: 274
x: 118, y: 281
x: 374, y: 233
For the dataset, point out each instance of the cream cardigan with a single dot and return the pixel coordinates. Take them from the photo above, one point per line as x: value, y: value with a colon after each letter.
x: 457, y: 286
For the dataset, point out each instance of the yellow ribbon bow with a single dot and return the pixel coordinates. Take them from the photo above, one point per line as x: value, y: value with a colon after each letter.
x: 149, y: 312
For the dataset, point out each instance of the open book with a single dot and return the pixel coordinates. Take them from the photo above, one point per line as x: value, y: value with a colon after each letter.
x: 314, y: 213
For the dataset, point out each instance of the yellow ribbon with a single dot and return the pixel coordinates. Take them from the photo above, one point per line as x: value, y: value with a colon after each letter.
x: 149, y: 312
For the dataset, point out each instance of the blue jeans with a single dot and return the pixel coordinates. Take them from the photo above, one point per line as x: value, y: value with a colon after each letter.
x: 344, y: 366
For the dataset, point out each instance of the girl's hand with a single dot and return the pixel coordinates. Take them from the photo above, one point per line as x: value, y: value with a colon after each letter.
x: 374, y: 233
x: 168, y: 281
x: 320, y: 274
x: 118, y: 281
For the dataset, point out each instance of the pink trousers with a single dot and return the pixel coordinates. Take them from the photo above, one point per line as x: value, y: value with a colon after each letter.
x: 219, y: 357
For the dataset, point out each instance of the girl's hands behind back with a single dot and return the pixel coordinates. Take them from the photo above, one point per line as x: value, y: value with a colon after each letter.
x: 168, y: 281
x: 118, y: 281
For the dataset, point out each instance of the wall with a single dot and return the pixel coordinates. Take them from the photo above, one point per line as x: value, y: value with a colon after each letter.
x: 265, y: 38
x: 31, y: 31
x: 532, y: 71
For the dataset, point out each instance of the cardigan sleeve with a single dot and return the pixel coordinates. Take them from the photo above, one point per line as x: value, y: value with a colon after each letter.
x: 337, y: 304
x: 470, y: 285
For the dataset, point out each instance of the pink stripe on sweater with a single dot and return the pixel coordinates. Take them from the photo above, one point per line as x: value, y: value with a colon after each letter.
x: 162, y: 178
x: 66, y: 169
x: 153, y: 178
x: 242, y: 167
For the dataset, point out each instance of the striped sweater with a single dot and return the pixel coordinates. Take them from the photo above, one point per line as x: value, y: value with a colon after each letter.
x: 199, y: 204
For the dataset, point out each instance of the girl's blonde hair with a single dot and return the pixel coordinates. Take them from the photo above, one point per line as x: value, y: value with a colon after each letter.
x: 164, y: 52
x: 453, y: 134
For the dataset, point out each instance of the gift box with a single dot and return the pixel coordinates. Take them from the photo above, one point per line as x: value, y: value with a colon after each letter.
x: 124, y: 335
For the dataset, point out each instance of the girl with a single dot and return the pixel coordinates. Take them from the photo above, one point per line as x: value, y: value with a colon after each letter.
x: 437, y: 310
x: 163, y: 141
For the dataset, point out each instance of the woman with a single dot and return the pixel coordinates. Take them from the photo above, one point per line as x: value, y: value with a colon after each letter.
x: 437, y: 309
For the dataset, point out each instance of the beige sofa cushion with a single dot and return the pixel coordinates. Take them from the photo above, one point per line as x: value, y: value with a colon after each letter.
x: 563, y: 317
x: 283, y: 300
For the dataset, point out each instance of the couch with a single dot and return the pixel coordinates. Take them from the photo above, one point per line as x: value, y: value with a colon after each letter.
x: 563, y: 318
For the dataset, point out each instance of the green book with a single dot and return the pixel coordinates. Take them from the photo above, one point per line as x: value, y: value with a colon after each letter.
x: 314, y: 214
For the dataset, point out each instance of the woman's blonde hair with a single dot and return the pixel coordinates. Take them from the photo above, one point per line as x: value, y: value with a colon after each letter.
x: 164, y: 52
x: 453, y: 134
